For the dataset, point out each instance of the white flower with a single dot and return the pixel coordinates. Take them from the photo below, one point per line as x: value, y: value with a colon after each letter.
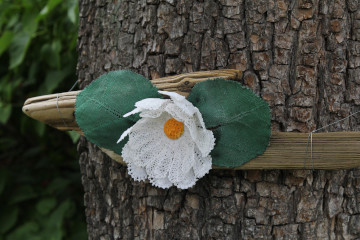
x: 169, y: 145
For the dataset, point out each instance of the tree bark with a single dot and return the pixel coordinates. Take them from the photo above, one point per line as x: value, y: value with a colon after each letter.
x: 302, y: 57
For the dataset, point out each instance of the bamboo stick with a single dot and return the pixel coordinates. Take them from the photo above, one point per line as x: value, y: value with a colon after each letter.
x: 56, y: 110
x: 337, y: 150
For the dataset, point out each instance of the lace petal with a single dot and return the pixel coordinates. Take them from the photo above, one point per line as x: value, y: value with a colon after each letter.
x: 150, y: 154
x: 136, y: 172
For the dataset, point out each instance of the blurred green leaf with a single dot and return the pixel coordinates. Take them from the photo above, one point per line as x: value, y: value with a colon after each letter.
x: 47, y: 54
x: 14, y: 19
x: 71, y: 209
x: 31, y: 79
x: 32, y: 152
x: 6, y: 89
x: 58, y: 184
x: 56, y: 45
x: 8, y: 218
x: 26, y: 4
x: 23, y: 193
x: 39, y: 128
x: 5, y: 112
x: 52, y: 80
x: 3, y: 179
x: 56, y: 49
x: 49, y: 6
x: 25, y: 231
x: 44, y: 206
x: 5, y: 41
x: 8, y: 142
x: 50, y: 52
x: 52, y: 234
x: 78, y: 233
x: 74, y: 136
x: 57, y: 216
x: 72, y: 11
x: 38, y: 56
x: 30, y: 23
x: 18, y: 48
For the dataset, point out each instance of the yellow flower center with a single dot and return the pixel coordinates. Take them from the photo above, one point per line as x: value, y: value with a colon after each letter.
x: 173, y: 128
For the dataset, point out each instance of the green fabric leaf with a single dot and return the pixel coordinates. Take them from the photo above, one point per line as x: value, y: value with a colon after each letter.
x: 240, y: 120
x: 101, y: 105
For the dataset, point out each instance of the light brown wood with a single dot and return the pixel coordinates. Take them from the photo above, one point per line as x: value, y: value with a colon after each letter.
x: 338, y: 150
x: 331, y: 150
x: 57, y: 110
x: 183, y: 83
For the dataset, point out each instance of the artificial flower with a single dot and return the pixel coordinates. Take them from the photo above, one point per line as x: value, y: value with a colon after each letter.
x: 170, y: 144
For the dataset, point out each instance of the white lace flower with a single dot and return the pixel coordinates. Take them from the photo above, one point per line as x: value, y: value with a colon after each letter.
x: 169, y: 145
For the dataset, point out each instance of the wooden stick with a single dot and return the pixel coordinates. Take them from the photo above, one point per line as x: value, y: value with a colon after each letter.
x: 339, y: 150
x: 333, y: 150
x: 55, y: 109
x: 336, y: 150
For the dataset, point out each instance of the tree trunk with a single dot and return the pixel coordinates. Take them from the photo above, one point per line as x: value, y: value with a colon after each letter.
x: 302, y: 57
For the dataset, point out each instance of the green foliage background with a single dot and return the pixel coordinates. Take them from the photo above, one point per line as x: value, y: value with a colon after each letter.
x: 41, y: 195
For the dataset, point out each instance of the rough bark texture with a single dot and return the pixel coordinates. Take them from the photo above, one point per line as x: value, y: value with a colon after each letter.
x: 302, y: 56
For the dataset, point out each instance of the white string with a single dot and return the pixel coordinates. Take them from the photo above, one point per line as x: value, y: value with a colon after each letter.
x: 336, y: 122
x: 307, y: 147
x: 310, y: 138
x: 311, y: 147
x: 58, y: 109
x: 76, y: 82
x: 57, y: 103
